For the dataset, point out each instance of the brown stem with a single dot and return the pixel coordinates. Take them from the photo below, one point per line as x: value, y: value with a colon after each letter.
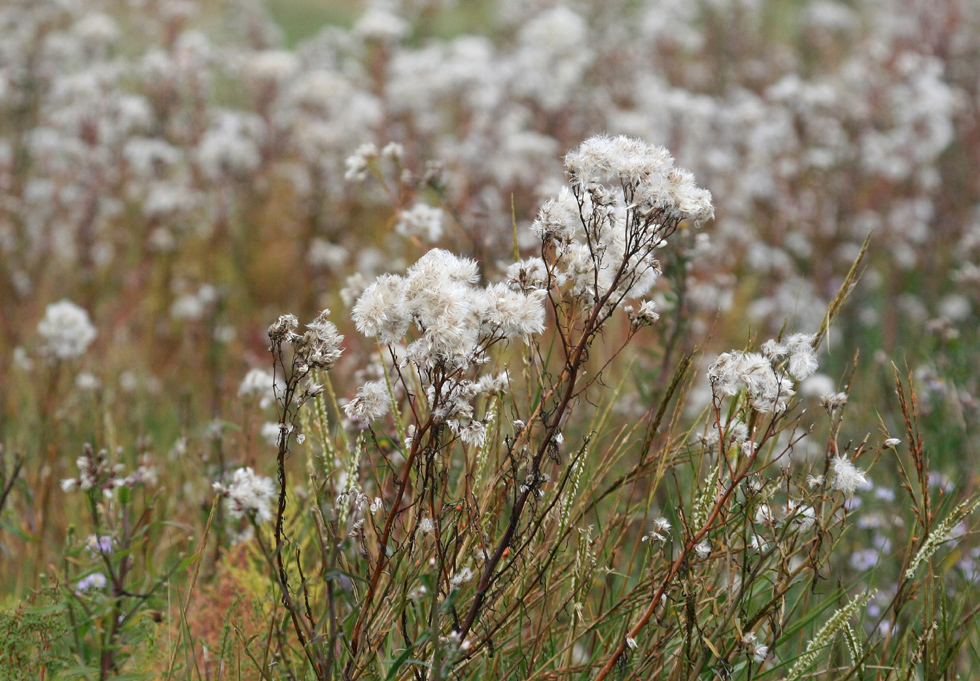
x: 675, y: 567
x: 383, y: 547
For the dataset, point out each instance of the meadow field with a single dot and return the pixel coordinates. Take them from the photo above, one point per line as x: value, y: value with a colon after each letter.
x: 537, y: 340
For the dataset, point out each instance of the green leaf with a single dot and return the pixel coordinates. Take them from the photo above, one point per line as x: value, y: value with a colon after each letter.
x: 16, y: 530
x: 76, y: 672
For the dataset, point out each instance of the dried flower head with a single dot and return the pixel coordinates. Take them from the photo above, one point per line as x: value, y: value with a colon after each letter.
x: 847, y: 477
x: 371, y: 402
x: 66, y: 331
x: 248, y: 493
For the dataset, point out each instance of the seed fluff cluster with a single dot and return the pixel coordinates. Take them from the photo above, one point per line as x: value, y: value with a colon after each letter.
x: 761, y: 374
x: 455, y: 318
x: 624, y: 200
x: 66, y: 331
x: 248, y: 493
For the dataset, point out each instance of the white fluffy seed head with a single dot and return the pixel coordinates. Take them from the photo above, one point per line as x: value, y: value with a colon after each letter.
x: 382, y: 310
x: 66, y: 330
x: 248, y: 493
x: 371, y: 402
x: 847, y: 477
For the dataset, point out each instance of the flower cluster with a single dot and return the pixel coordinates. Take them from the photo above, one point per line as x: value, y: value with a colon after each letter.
x: 319, y: 346
x: 655, y: 186
x: 847, y: 477
x: 422, y: 221
x: 455, y: 318
x: 66, y: 331
x: 97, y: 472
x: 759, y: 374
x: 371, y: 403
x: 625, y: 199
x: 248, y: 494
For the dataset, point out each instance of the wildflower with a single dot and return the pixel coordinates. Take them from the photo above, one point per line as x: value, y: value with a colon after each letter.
x: 833, y: 401
x: 754, y: 649
x: 474, y: 433
x: 382, y: 24
x: 863, y: 560
x: 489, y: 384
x: 707, y: 441
x: 259, y: 384
x: 460, y: 578
x: 658, y: 186
x: 759, y: 544
x: 393, y: 151
x: 100, y: 545
x: 814, y: 481
x: 454, y: 401
x: 371, y: 402
x: 326, y: 255
x: 359, y: 162
x: 272, y: 66
x: 661, y: 528
x: 311, y: 389
x: 644, y: 316
x: 320, y: 345
x: 146, y: 474
x: 802, y: 359
x: 284, y: 328
x: 426, y: 525
x: 21, y: 359
x: 382, y: 310
x: 441, y: 299
x: 510, y: 313
x: 533, y: 482
x: 736, y: 430
x: 847, y: 477
x: 766, y: 389
x: 248, y: 493
x: 763, y: 515
x: 230, y: 145
x: 96, y: 580
x: 817, y: 385
x: 95, y: 471
x: 66, y: 330
x: 631, y: 643
x: 421, y: 220
x: 703, y: 549
x: 891, y: 442
x: 774, y: 350
x: 528, y: 275
x: 557, y: 219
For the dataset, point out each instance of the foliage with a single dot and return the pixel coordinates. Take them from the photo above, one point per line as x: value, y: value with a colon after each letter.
x: 561, y: 406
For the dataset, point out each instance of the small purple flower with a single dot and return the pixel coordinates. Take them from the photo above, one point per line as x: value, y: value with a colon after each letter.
x: 96, y: 580
x: 100, y: 545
